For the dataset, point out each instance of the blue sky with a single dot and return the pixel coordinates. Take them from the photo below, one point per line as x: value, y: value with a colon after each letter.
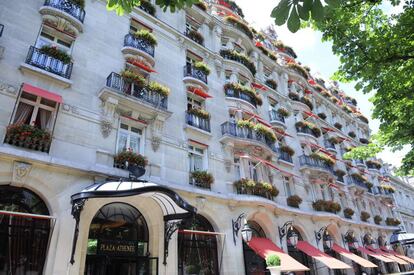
x: 317, y: 55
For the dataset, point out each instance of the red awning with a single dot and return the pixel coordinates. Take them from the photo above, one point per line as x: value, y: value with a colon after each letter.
x: 141, y: 65
x: 320, y: 148
x: 199, y: 92
x: 307, y: 91
x: 315, y: 253
x: 311, y: 82
x: 388, y: 255
x: 42, y: 93
x: 405, y: 258
x: 268, y: 163
x: 375, y: 255
x: 280, y: 132
x: 310, y: 114
x: 264, y: 247
x: 345, y: 253
x: 259, y: 119
x: 259, y: 86
x: 328, y: 129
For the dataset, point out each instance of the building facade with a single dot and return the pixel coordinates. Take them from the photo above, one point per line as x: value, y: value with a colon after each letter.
x: 228, y: 122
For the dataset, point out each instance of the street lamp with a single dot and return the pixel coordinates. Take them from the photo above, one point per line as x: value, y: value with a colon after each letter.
x: 246, y: 233
x: 328, y: 241
x: 284, y: 230
x: 320, y: 234
x: 293, y: 238
x: 236, y: 225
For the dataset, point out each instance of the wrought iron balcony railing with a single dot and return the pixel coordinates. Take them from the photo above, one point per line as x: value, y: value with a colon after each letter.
x: 198, y: 122
x: 317, y: 163
x: 306, y: 130
x: 189, y: 70
x: 329, y: 145
x: 116, y: 82
x: 284, y: 156
x: 48, y: 63
x: 240, y: 95
x: 275, y: 116
x: 140, y: 44
x: 355, y: 181
x: 231, y: 129
x: 67, y: 6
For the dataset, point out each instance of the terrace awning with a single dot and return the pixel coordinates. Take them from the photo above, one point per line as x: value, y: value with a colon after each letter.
x: 264, y: 247
x: 405, y: 258
x: 388, y: 255
x: 349, y: 255
x: 41, y: 92
x: 320, y: 256
x: 375, y: 255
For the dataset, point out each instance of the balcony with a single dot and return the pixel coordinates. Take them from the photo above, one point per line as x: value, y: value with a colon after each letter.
x: 138, y: 46
x: 68, y: 10
x: 47, y: 65
x: 357, y: 182
x: 359, y: 162
x: 329, y: 145
x: 276, y: 118
x: 195, y: 36
x: 240, y: 95
x: 230, y: 129
x: 305, y: 130
x: 306, y: 161
x: 198, y: 122
x: 378, y: 190
x: 191, y: 74
x: 284, y: 156
x: 239, y: 58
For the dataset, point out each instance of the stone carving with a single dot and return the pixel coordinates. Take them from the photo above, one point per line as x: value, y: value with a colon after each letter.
x: 21, y: 171
x: 106, y: 127
x: 7, y: 88
x: 155, y: 143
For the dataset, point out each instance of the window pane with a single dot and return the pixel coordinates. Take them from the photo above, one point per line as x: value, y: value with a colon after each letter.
x: 48, y: 102
x: 136, y: 130
x: 134, y: 141
x: 23, y: 113
x: 198, y: 163
x: 29, y: 96
x: 124, y: 126
x: 43, y: 119
x: 122, y: 142
x: 46, y: 35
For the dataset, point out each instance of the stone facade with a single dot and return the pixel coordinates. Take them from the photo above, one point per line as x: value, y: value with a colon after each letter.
x: 86, y: 132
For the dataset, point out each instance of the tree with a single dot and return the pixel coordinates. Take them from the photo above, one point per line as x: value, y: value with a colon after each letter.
x: 121, y: 6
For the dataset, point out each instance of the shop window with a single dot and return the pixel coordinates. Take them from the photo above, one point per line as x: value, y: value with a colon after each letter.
x: 36, y: 111
x: 51, y: 37
x: 196, y: 156
x: 129, y: 139
x: 24, y: 239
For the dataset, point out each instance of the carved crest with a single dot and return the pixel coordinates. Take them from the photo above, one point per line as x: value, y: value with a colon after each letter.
x: 106, y: 127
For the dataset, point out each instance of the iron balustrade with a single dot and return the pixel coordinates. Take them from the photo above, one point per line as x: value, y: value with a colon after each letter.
x: 305, y: 130
x: 67, y: 6
x: 378, y: 190
x: 139, y: 43
x: 355, y: 181
x: 198, y: 122
x: 247, y: 64
x: 48, y: 63
x: 190, y: 70
x: 284, y: 156
x: 231, y: 129
x: 116, y: 82
x: 189, y: 34
x: 329, y: 145
x: 240, y: 95
x: 313, y: 162
x: 359, y: 161
x: 275, y: 116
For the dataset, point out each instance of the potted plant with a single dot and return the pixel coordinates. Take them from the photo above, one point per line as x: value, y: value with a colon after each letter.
x: 392, y: 222
x: 306, y: 100
x: 201, y: 66
x: 239, y: 57
x: 202, y: 179
x: 158, y: 88
x: 294, y: 96
x: 273, y: 264
x: 287, y: 149
x: 56, y: 53
x: 322, y: 116
x: 239, y: 25
x: 348, y: 213
x: 265, y: 131
x: 132, y: 77
x: 271, y: 83
x: 377, y: 219
x: 245, y: 90
x: 352, y: 134
x: 323, y: 157
x: 299, y: 69
x: 28, y: 136
x: 294, y: 201
x: 245, y: 124
x: 365, y: 216
x: 128, y: 158
x: 193, y: 269
x: 201, y: 113
x: 338, y: 125
x: 146, y: 36
x: 195, y: 36
x: 283, y: 112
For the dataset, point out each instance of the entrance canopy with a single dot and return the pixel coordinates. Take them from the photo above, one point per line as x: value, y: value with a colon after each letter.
x: 349, y: 255
x: 264, y: 247
x: 375, y: 255
x: 172, y: 205
x: 322, y: 257
x: 388, y: 255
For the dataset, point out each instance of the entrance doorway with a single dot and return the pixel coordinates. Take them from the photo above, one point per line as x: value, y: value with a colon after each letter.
x: 299, y: 255
x: 253, y: 263
x: 118, y: 243
x: 24, y: 237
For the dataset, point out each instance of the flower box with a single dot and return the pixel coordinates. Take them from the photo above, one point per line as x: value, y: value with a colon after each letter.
x: 28, y: 136
x: 125, y: 159
x: 294, y: 201
x: 327, y: 206
x: 251, y: 187
x: 392, y: 222
x: 348, y: 213
x: 377, y: 219
x: 201, y: 179
x: 365, y: 216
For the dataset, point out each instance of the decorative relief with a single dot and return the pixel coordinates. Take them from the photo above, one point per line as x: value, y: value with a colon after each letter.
x: 155, y: 143
x: 21, y: 171
x: 7, y: 88
x: 106, y: 127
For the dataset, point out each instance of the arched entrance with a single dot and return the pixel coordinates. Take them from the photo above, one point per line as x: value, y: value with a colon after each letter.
x: 369, y: 241
x: 350, y: 240
x: 118, y: 242
x: 197, y: 250
x: 297, y: 254
x: 253, y: 263
x: 24, y: 237
x: 328, y: 237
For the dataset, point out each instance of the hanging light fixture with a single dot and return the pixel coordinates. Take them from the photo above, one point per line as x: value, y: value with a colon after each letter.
x: 293, y: 238
x: 328, y: 241
x: 247, y: 233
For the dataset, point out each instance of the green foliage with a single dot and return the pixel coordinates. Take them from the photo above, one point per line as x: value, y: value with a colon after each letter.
x: 294, y: 201
x: 199, y: 112
x: 246, y: 90
x: 238, y: 24
x: 201, y: 66
x: 56, y: 53
x: 272, y: 260
x: 80, y: 3
x: 132, y: 158
x: 364, y: 152
x: 202, y: 178
x: 365, y: 216
x: 158, y: 88
x: 126, y: 6
x: 131, y: 76
x: 348, y: 213
x: 146, y: 36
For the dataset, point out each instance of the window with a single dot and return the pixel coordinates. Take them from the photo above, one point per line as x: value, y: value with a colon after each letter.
x: 191, y: 24
x: 237, y: 168
x: 238, y: 48
x: 49, y: 36
x: 227, y: 75
x: 192, y: 58
x: 243, y: 80
x: 137, y: 26
x: 193, y: 103
x: 224, y: 42
x: 253, y: 170
x: 267, y: 72
x: 129, y: 138
x: 272, y: 104
x: 286, y: 184
x: 196, y: 158
x: 36, y: 111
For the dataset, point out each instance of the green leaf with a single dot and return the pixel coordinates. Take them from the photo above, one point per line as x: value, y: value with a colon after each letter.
x: 281, y: 12
x: 293, y: 23
x: 317, y: 11
x: 303, y: 12
x: 333, y: 3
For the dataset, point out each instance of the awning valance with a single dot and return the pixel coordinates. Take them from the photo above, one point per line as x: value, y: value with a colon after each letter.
x: 388, y: 255
x: 41, y: 92
x: 349, y: 255
x: 320, y: 256
x: 264, y: 247
x: 375, y: 255
x: 405, y: 258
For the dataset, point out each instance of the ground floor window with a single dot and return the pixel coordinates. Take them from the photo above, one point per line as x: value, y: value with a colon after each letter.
x: 118, y: 243
x: 197, y: 251
x: 24, y: 238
